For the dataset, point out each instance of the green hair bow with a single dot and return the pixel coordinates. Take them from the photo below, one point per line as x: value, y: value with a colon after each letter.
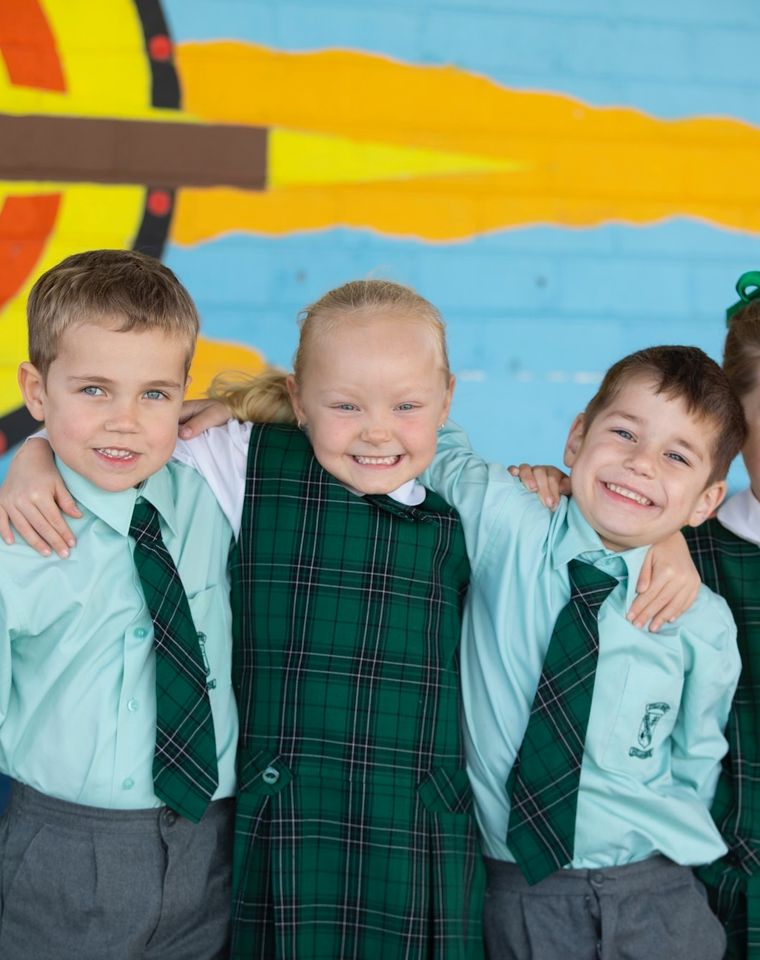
x: 748, y: 288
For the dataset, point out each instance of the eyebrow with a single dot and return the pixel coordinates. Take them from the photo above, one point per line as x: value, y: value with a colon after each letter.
x: 678, y: 441
x: 105, y: 381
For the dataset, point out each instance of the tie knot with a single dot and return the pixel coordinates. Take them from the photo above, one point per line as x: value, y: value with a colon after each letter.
x: 590, y: 583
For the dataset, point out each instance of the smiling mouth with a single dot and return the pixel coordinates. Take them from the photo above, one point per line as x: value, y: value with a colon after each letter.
x: 378, y: 461
x: 628, y: 494
x: 115, y: 453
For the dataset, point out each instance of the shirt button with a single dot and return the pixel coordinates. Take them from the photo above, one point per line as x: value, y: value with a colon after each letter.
x: 170, y: 817
x: 598, y: 878
x: 141, y: 632
x: 133, y: 705
x: 127, y: 784
x: 270, y: 775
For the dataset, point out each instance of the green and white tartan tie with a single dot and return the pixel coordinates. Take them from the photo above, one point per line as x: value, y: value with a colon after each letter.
x: 185, y: 773
x: 543, y: 784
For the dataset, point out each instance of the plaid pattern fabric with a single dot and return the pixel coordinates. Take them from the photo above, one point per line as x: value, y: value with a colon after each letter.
x: 543, y: 783
x: 731, y: 567
x: 354, y: 828
x: 184, y: 766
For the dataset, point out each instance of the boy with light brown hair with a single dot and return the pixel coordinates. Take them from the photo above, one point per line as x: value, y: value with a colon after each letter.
x: 118, y: 725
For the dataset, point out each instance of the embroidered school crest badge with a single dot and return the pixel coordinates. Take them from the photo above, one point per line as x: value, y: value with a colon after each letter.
x: 652, y: 715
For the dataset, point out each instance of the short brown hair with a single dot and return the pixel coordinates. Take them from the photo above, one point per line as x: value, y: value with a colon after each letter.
x: 688, y: 374
x: 741, y: 352
x: 134, y: 290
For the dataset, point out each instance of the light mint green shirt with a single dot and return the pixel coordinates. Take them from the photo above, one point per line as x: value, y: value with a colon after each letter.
x: 77, y: 668
x: 661, y: 701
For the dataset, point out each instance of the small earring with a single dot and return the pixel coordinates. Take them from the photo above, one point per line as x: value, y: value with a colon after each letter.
x: 300, y: 425
x: 441, y: 427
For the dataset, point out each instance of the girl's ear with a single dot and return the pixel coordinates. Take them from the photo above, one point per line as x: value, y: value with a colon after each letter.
x: 32, y: 385
x: 574, y: 440
x: 449, y: 398
x: 295, y: 398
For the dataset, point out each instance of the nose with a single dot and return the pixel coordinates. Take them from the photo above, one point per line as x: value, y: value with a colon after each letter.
x: 376, y: 430
x: 641, y: 461
x: 122, y: 417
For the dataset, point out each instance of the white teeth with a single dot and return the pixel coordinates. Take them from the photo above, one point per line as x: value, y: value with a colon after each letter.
x: 115, y: 454
x: 385, y: 461
x: 625, y: 492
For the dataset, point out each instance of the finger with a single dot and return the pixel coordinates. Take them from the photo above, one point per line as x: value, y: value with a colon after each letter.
x: 527, y: 476
x: 28, y: 533
x: 660, y: 607
x: 566, y: 485
x: 46, y: 523
x: 670, y: 612
x: 5, y: 528
x: 52, y: 526
x: 512, y: 469
x: 645, y: 576
x: 67, y: 504
x: 547, y: 487
x: 648, y: 604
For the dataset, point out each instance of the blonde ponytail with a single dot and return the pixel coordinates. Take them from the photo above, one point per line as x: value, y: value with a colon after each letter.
x: 262, y: 399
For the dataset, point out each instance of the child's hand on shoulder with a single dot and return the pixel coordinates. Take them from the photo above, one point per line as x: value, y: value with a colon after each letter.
x: 34, y: 498
x: 200, y: 415
x: 547, y: 481
x: 668, y: 584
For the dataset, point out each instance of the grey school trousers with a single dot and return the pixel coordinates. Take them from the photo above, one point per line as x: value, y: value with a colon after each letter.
x: 82, y: 883
x: 651, y: 910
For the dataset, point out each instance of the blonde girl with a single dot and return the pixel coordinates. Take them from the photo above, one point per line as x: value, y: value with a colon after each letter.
x: 354, y: 833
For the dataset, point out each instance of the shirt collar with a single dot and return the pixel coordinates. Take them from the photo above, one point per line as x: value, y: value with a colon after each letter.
x: 577, y: 538
x: 410, y: 494
x: 741, y: 515
x: 116, y: 508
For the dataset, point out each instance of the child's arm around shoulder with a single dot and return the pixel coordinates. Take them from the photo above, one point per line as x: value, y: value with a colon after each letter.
x: 490, y: 502
x: 34, y: 499
x: 712, y: 666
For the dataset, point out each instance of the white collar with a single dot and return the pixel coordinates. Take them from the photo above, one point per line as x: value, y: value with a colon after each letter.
x: 741, y: 515
x: 411, y: 493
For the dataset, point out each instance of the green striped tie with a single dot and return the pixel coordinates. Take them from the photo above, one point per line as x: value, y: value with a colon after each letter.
x: 185, y: 773
x: 543, y: 784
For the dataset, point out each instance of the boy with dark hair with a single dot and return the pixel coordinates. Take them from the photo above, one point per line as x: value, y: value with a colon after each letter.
x: 593, y: 746
x: 118, y: 724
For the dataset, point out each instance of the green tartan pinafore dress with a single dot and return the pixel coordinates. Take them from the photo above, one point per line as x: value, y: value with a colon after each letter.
x: 354, y: 834
x: 730, y: 566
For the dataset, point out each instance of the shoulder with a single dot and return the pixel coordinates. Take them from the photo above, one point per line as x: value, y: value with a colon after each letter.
x: 708, y: 621
x: 190, y: 492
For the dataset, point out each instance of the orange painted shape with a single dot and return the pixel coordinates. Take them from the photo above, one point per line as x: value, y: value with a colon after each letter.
x: 25, y: 225
x: 565, y: 162
x: 217, y: 356
x: 28, y: 46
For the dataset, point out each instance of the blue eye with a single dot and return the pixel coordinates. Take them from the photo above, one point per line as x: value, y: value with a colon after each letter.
x: 406, y: 406
x: 677, y: 457
x: 346, y: 406
x: 154, y: 395
x: 624, y: 434
x: 92, y: 391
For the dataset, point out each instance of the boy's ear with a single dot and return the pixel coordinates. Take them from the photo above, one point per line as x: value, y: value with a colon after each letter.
x: 709, y: 501
x: 294, y: 394
x: 32, y: 385
x: 574, y: 440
